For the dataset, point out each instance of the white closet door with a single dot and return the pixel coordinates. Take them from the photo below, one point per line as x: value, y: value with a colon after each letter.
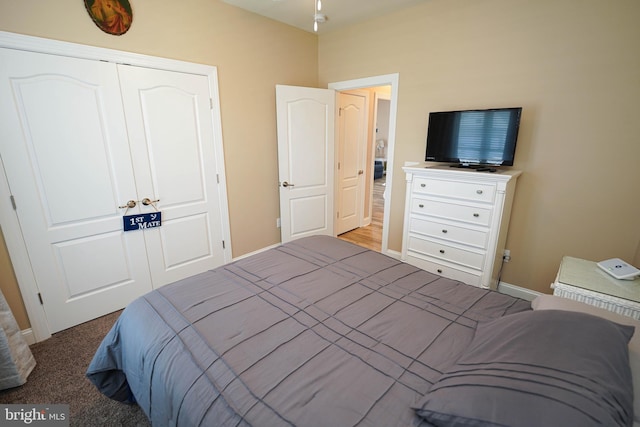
x: 65, y: 151
x: 171, y: 133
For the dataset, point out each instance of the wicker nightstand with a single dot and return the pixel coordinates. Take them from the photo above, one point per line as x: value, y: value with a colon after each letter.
x: 582, y: 280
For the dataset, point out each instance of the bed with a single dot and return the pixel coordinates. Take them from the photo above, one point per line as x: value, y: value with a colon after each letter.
x: 321, y: 332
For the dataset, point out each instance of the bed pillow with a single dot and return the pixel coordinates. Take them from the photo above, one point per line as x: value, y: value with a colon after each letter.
x: 537, y: 368
x: 552, y: 302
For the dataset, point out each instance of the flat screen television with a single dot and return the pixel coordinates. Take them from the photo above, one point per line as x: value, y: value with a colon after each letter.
x: 473, y: 137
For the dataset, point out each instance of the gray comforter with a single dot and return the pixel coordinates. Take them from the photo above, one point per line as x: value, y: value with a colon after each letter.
x: 316, y: 332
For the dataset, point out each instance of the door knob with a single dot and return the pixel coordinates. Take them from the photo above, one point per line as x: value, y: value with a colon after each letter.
x: 360, y: 172
x: 147, y: 201
x: 286, y: 184
x: 130, y: 204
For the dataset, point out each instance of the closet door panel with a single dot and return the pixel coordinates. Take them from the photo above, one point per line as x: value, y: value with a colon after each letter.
x: 65, y: 151
x: 171, y: 132
x: 66, y: 142
x: 173, y: 140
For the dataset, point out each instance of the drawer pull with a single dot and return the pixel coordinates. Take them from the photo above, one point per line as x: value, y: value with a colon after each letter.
x: 441, y: 251
x: 445, y: 231
x: 423, y: 185
x: 479, y: 191
x: 476, y: 215
x: 439, y: 271
x: 421, y: 206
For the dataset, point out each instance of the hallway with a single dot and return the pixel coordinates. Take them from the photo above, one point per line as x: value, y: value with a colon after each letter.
x: 370, y: 236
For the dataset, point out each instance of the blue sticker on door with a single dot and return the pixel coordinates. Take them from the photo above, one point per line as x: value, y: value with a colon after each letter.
x: 142, y: 221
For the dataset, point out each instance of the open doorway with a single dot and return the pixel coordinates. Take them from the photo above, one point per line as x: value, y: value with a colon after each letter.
x: 378, y: 163
x: 368, y: 232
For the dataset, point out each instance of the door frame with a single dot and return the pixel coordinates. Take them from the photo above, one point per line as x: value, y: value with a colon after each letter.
x: 8, y: 218
x: 382, y: 80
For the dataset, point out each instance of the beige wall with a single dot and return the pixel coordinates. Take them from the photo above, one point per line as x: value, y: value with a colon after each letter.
x: 252, y: 54
x: 573, y: 65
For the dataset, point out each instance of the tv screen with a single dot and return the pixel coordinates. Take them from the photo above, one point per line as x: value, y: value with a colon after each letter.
x: 473, y: 137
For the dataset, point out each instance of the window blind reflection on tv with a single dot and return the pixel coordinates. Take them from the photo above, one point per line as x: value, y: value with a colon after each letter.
x: 473, y: 136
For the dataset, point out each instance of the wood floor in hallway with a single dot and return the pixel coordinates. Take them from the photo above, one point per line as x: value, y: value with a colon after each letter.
x: 370, y: 236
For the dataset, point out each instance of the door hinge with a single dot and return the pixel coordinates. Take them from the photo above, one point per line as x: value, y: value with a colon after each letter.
x: 13, y: 202
x: 223, y: 245
x: 340, y: 112
x: 40, y: 298
x: 211, y: 103
x: 338, y: 165
x: 218, y: 178
x: 337, y: 214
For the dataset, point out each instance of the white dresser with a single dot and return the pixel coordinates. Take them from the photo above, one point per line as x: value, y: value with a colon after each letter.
x: 456, y: 221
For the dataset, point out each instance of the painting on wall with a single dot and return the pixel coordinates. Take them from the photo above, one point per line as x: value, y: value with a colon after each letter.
x: 111, y: 16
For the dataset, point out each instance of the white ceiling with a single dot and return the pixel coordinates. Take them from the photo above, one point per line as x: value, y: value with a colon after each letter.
x: 340, y: 13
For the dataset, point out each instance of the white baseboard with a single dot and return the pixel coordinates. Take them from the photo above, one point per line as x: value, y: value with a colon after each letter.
x: 28, y: 336
x: 256, y: 252
x: 394, y: 254
x: 517, y: 291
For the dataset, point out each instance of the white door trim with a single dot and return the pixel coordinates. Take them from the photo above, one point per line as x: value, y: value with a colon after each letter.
x: 8, y: 218
x: 20, y: 261
x: 382, y: 80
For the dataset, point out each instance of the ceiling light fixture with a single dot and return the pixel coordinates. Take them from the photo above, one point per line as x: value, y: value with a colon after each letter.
x: 318, y: 18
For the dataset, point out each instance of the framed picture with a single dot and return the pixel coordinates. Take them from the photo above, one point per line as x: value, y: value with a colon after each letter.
x: 111, y: 16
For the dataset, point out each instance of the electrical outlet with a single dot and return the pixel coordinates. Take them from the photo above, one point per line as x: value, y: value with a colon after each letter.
x: 278, y: 224
x: 506, y: 255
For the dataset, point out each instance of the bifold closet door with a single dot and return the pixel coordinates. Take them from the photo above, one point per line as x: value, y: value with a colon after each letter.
x: 65, y: 152
x: 79, y: 139
x: 172, y: 145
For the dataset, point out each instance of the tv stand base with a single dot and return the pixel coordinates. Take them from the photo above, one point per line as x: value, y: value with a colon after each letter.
x: 478, y: 168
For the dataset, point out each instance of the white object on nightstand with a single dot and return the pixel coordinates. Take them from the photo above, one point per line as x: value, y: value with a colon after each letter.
x: 619, y: 269
x: 584, y: 281
x: 456, y: 221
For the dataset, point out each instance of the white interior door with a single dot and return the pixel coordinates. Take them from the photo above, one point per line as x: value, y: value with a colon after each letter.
x: 172, y: 145
x: 306, y: 123
x: 352, y: 136
x: 66, y: 156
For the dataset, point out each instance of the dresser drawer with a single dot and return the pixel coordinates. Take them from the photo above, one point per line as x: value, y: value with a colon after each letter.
x: 448, y: 253
x: 471, y: 214
x: 448, y: 232
x: 444, y: 270
x: 455, y: 189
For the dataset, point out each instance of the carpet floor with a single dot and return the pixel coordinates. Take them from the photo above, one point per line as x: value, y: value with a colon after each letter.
x: 59, y: 377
